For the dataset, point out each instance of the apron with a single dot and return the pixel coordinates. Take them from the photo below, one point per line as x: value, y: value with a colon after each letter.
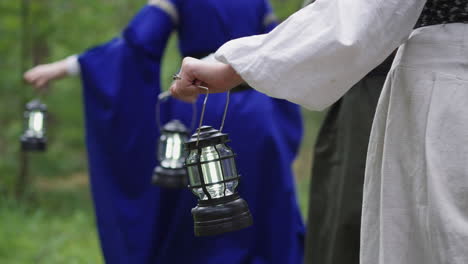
x: 415, y: 204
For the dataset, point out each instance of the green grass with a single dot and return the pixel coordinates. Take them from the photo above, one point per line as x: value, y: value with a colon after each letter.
x: 54, y: 226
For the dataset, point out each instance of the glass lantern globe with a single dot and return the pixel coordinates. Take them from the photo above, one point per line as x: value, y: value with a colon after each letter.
x: 213, y: 178
x: 34, y: 135
x: 170, y: 173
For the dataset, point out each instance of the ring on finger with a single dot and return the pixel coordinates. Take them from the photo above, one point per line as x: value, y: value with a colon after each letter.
x: 176, y: 77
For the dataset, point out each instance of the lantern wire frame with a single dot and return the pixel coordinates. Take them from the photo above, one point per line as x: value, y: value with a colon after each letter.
x: 225, y: 180
x: 220, y: 158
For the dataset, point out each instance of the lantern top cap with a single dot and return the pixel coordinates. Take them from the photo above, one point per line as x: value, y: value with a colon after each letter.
x: 208, y: 137
x: 175, y: 126
x: 36, y: 104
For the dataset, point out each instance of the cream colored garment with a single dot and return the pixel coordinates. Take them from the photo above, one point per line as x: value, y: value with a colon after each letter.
x: 73, y: 66
x: 322, y: 50
x: 415, y: 207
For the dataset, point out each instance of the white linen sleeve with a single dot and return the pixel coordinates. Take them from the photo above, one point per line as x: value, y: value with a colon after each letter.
x: 322, y: 50
x: 73, y: 66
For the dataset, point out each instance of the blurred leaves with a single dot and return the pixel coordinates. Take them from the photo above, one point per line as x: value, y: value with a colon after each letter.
x: 55, y: 29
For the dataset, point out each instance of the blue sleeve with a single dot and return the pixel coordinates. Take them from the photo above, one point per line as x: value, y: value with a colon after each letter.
x: 120, y: 83
x: 150, y: 29
x: 270, y: 21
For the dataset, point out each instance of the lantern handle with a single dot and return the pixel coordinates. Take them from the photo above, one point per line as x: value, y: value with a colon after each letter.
x: 40, y: 93
x: 162, y: 97
x: 176, y: 77
x: 194, y: 116
x: 225, y: 111
x: 202, y: 115
x: 204, y: 107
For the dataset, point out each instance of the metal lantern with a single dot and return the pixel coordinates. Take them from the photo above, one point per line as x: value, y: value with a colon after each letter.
x: 171, y: 156
x: 34, y: 135
x: 214, y: 179
x: 170, y: 173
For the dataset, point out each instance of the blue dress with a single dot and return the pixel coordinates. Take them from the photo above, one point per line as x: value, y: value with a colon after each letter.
x: 142, y: 223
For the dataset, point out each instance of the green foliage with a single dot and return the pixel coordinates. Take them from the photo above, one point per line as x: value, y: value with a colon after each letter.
x: 53, y: 30
x: 302, y: 166
x: 284, y: 8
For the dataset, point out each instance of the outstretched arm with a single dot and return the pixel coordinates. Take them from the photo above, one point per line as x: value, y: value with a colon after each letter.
x: 41, y: 75
x: 148, y: 31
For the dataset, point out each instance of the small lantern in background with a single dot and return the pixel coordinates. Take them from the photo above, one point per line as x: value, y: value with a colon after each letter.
x: 34, y: 135
x: 171, y: 156
x: 171, y: 173
x: 213, y: 178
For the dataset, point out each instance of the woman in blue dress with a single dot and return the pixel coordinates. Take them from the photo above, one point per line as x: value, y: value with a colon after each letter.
x: 141, y: 223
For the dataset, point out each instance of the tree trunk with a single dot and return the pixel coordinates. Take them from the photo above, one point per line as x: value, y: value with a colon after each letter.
x: 35, y: 50
x: 23, y: 173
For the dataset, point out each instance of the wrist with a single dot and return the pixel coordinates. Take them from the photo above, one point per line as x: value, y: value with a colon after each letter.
x: 72, y: 66
x: 235, y: 79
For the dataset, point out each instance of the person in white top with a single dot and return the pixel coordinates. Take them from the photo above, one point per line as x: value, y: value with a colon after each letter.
x: 415, y: 204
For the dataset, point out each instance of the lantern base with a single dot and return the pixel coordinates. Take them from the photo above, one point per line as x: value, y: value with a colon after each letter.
x: 220, y: 216
x: 170, y: 178
x: 33, y: 144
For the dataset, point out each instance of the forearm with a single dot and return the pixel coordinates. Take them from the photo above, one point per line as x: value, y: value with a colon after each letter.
x: 41, y: 75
